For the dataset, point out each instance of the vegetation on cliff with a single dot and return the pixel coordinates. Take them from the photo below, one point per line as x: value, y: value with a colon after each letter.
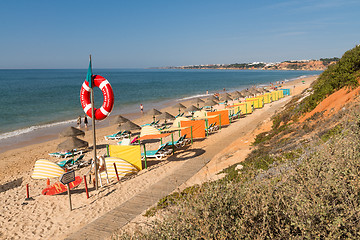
x: 344, y: 73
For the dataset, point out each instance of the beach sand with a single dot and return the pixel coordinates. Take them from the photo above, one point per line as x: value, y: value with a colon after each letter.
x: 49, y: 217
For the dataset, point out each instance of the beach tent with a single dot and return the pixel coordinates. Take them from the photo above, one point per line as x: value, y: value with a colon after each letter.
x: 267, y: 98
x: 124, y: 168
x: 286, y: 92
x: 200, y: 114
x: 195, y: 129
x: 245, y: 107
x: 257, y: 102
x: 281, y: 93
x: 222, y: 120
x: 177, y: 121
x: 275, y: 95
x: 44, y: 169
x: 131, y: 154
x: 149, y: 130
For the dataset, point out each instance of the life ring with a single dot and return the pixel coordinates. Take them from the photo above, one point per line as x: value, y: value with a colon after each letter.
x: 108, y: 93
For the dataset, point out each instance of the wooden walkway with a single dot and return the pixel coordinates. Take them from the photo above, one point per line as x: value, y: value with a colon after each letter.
x: 106, y: 225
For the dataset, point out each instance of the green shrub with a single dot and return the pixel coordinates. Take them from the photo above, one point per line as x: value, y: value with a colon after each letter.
x: 344, y: 73
x: 317, y: 197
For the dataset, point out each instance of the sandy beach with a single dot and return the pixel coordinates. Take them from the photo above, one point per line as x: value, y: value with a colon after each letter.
x: 49, y: 217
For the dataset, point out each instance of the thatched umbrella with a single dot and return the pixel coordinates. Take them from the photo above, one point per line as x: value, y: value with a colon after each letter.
x: 245, y: 92
x: 198, y: 101
x: 128, y: 126
x: 119, y: 120
x: 165, y: 116
x: 224, y: 94
x: 153, y: 112
x: 71, y: 132
x: 179, y: 106
x: 72, y: 143
x: 225, y: 98
x: 192, y: 109
x: 210, y: 103
x: 212, y: 98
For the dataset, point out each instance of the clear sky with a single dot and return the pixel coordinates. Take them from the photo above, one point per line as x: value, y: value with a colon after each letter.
x: 151, y: 33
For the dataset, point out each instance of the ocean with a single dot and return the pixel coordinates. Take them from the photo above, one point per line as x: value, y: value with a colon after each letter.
x: 39, y: 99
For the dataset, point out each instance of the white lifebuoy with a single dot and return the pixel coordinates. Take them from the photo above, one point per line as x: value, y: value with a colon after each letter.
x: 108, y: 93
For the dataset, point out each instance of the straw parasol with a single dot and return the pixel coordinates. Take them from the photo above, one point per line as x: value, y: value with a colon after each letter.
x: 198, y: 101
x: 224, y: 94
x: 192, y: 109
x: 245, y: 92
x: 71, y: 132
x: 179, y: 106
x: 210, y: 103
x: 165, y: 116
x: 153, y: 112
x: 128, y: 126
x: 212, y: 98
x: 120, y: 119
x: 72, y: 143
x: 225, y: 98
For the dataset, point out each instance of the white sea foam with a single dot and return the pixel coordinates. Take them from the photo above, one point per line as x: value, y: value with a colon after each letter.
x: 33, y: 128
x: 194, y: 96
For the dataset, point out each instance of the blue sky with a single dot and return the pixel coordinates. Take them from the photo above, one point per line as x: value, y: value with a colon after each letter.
x: 137, y: 34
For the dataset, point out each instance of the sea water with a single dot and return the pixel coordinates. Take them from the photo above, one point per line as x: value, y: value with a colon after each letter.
x: 36, y: 99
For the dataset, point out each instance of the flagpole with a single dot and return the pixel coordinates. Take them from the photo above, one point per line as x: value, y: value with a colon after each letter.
x: 94, y: 132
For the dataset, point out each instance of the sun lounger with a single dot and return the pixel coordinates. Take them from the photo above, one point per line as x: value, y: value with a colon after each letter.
x: 117, y: 136
x: 154, y: 123
x: 65, y: 154
x: 160, y: 153
x: 212, y: 128
x: 181, y: 142
x: 71, y: 161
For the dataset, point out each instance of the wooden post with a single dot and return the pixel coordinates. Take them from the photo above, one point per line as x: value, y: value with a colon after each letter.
x: 117, y: 175
x: 86, y: 188
x: 68, y: 189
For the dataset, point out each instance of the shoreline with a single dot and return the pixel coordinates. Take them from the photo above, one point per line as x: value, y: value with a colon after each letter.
x: 49, y: 132
x: 47, y: 217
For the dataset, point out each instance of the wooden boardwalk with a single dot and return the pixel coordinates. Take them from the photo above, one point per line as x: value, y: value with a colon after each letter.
x: 106, y: 225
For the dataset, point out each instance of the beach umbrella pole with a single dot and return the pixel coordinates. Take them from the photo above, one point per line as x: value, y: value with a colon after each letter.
x: 94, y: 132
x: 172, y: 140
x: 191, y: 128
x: 145, y: 157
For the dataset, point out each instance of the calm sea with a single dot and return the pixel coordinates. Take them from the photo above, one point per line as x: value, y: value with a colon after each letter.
x: 36, y: 99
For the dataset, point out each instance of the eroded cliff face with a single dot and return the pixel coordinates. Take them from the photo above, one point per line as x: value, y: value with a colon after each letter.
x: 294, y: 65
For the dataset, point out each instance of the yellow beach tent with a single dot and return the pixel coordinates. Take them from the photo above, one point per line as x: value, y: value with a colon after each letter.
x: 131, y: 154
x: 44, y: 169
x: 124, y: 168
